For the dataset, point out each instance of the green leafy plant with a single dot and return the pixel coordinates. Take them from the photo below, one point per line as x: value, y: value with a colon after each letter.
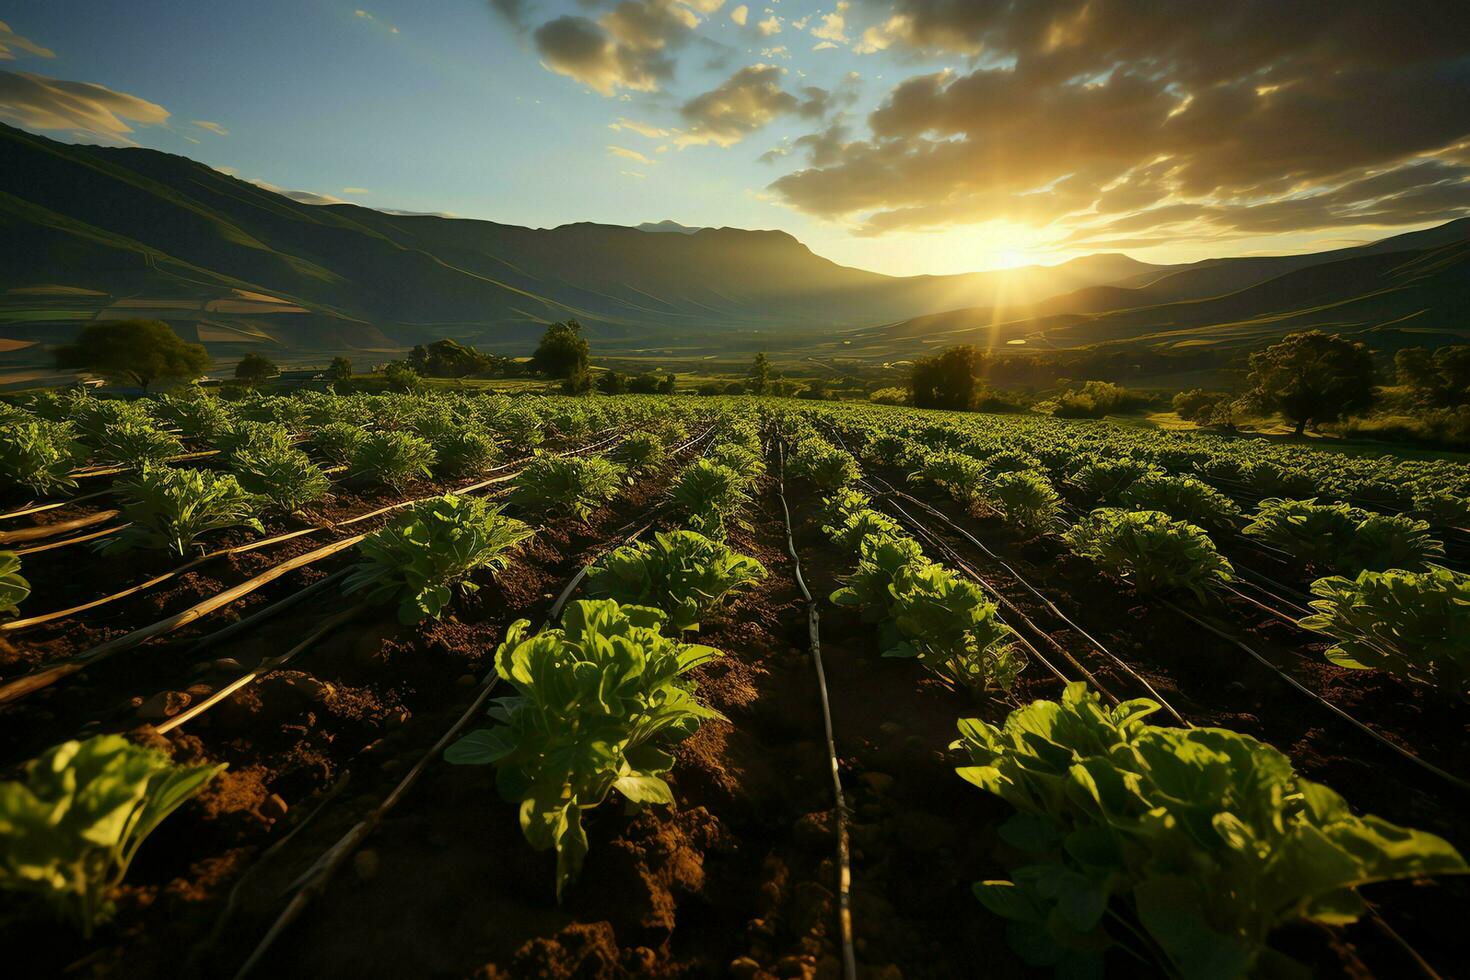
x: 834, y: 510
x: 419, y: 559
x: 287, y: 478
x: 1183, y: 498
x: 255, y: 435
x: 567, y: 486
x: 710, y: 495
x: 1443, y: 509
x: 1151, y: 550
x: 393, y: 459
x: 740, y: 459
x: 682, y: 573
x: 1384, y: 541
x: 1413, y: 624
x: 134, y: 443
x: 859, y: 526
x: 823, y: 465
x: 641, y: 452
x: 1342, y: 538
x: 40, y: 455
x: 951, y: 627
x: 870, y: 586
x: 962, y: 477
x: 13, y: 587
x: 1026, y: 500
x: 170, y: 508
x: 1105, y: 480
x: 1183, y: 846
x: 599, y: 703
x: 463, y: 452
x: 337, y: 441
x: 195, y: 414
x: 71, y: 828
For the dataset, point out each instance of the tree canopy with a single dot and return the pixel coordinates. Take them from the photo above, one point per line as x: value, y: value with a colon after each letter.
x: 563, y: 351
x: 341, y: 369
x: 139, y: 351
x: 1440, y: 378
x: 760, y: 375
x: 1312, y: 377
x: 946, y: 380
x: 254, y: 368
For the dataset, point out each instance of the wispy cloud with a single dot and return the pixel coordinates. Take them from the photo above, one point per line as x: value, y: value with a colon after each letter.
x: 11, y: 42
x: 212, y: 127
x: 627, y: 154
x: 85, y: 108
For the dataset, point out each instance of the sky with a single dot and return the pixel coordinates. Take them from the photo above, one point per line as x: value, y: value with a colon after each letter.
x: 903, y: 136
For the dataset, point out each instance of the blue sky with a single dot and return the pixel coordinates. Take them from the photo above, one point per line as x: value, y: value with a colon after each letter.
x: 975, y: 158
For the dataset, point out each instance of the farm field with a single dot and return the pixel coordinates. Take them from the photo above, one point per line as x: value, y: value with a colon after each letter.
x: 466, y: 684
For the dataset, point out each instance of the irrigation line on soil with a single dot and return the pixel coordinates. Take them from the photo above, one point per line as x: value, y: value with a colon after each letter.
x: 1051, y: 606
x: 43, y: 531
x: 316, y: 878
x: 844, y: 851
x: 39, y: 508
x: 279, y: 606
x: 93, y: 536
x: 1298, y: 685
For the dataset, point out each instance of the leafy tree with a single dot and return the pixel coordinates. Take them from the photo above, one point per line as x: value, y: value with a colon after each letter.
x: 1440, y: 378
x: 140, y: 351
x: 253, y: 369
x: 563, y: 351
x: 579, y: 382
x: 612, y: 383
x: 944, y: 381
x: 402, y: 377
x: 1311, y: 377
x: 341, y: 369
x: 760, y: 375
x: 668, y: 385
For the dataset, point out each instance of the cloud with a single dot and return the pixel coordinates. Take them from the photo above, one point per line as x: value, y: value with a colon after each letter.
x: 642, y: 129
x: 627, y: 48
x: 745, y: 102
x: 212, y: 127
x: 627, y: 154
x: 11, y: 42
x: 833, y: 26
x: 740, y: 14
x: 300, y: 197
x: 39, y: 102
x: 1224, y: 117
x: 514, y: 12
x: 771, y: 25
x: 632, y: 173
x: 356, y: 190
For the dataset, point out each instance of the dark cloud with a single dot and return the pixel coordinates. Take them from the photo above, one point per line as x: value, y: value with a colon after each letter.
x: 742, y: 104
x: 1082, y: 112
x: 628, y: 47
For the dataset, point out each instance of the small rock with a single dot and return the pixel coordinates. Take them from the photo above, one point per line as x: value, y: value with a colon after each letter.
x: 311, y: 687
x: 365, y: 864
x: 743, y: 968
x: 164, y: 704
x: 274, y: 808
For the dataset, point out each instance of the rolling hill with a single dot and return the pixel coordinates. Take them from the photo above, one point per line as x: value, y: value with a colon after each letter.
x: 162, y: 235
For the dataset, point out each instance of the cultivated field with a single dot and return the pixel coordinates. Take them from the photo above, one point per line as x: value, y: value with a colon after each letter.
x: 477, y: 685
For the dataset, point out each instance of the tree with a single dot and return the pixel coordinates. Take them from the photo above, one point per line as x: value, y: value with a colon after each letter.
x: 760, y: 375
x: 944, y: 381
x: 1311, y: 377
x: 140, y: 351
x: 341, y: 369
x: 612, y: 383
x: 563, y: 351
x: 401, y: 377
x: 254, y: 368
x: 1440, y: 379
x: 579, y: 382
x: 668, y: 385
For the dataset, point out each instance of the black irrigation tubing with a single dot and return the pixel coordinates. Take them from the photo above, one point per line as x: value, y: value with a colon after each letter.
x: 315, y: 879
x: 1314, y: 696
x: 1051, y: 606
x: 844, y: 849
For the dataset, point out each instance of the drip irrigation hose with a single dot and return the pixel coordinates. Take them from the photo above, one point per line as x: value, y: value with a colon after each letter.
x: 34, y: 508
x: 844, y: 850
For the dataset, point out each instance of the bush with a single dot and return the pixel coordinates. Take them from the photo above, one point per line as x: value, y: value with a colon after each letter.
x: 169, y: 508
x: 682, y: 573
x: 1151, y: 550
x: 1413, y: 624
x: 419, y: 559
x: 889, y: 396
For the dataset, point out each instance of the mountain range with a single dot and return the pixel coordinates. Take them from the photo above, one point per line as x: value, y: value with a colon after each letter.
x: 107, y: 232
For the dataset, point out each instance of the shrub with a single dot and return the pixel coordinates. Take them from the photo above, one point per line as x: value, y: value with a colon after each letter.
x: 40, y: 455
x: 13, y: 588
x: 419, y: 559
x: 599, y: 703
x: 1025, y: 500
x: 287, y: 478
x: 393, y: 459
x: 1183, y: 498
x: 1187, y: 846
x: 682, y: 573
x: 710, y: 496
x: 566, y: 486
x: 1414, y: 624
x: 890, y: 396
x: 170, y: 508
x: 1151, y: 550
x: 69, y: 831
